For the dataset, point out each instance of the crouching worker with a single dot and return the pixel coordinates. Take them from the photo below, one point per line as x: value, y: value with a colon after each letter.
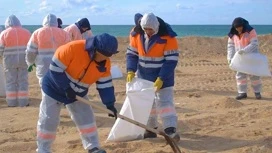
x: 74, y: 67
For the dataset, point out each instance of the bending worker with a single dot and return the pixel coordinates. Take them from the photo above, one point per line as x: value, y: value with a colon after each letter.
x: 75, y: 66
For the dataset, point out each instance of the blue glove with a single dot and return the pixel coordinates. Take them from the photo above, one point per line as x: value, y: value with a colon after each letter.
x: 30, y: 68
x: 71, y: 95
x: 114, y: 110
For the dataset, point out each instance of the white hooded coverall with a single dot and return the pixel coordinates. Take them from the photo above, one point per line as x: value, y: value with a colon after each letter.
x: 13, y: 42
x: 43, y: 44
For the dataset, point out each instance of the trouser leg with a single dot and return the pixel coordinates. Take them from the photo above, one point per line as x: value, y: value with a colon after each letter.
x: 165, y: 107
x: 22, y: 92
x: 241, y: 80
x: 82, y: 115
x: 11, y: 86
x: 256, y: 83
x: 153, y: 117
x: 47, y: 123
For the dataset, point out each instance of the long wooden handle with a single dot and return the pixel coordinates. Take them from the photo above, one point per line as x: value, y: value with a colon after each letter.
x: 118, y: 115
x: 170, y: 141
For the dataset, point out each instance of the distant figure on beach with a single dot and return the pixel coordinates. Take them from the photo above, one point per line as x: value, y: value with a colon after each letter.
x: 13, y: 42
x: 74, y: 68
x: 43, y: 44
x: 243, y: 39
x: 59, y: 23
x: 77, y: 29
x: 153, y: 53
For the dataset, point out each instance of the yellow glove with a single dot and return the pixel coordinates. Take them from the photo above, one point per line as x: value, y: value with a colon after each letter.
x: 158, y: 84
x: 130, y: 76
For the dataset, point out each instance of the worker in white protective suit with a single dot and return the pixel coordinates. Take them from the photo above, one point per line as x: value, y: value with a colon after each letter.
x: 43, y: 44
x: 79, y: 30
x: 13, y: 42
x: 243, y: 40
x: 74, y: 68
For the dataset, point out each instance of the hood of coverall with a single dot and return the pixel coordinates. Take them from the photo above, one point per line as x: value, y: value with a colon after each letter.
x: 149, y: 20
x: 83, y: 23
x: 137, y: 18
x: 12, y: 21
x: 105, y: 44
x: 237, y: 22
x: 50, y: 20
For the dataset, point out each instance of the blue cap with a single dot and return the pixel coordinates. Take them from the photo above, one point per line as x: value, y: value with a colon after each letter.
x: 104, y: 43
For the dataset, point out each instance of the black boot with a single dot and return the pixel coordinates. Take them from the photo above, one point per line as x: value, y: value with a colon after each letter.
x: 96, y: 150
x: 258, y: 95
x: 241, y: 96
x: 149, y: 134
x: 171, y: 132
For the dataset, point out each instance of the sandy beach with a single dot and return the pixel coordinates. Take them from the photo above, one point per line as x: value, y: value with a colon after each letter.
x: 210, y: 119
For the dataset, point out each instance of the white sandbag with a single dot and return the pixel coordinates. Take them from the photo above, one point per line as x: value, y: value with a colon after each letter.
x: 2, y: 82
x: 250, y: 63
x: 137, y: 106
x: 116, y: 72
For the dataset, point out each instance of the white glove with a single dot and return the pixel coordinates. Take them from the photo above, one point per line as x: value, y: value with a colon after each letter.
x: 241, y: 52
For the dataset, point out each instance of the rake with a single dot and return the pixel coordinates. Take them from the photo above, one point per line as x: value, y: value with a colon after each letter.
x: 169, y: 140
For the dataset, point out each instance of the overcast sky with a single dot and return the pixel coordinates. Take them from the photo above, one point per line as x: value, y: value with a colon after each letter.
x: 121, y: 12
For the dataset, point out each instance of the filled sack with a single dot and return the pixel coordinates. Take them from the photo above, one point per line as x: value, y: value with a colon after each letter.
x: 137, y: 106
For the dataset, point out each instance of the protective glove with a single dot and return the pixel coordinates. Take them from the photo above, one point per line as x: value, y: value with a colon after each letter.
x: 130, y: 76
x: 30, y: 68
x: 114, y: 110
x: 70, y: 94
x: 158, y: 84
x: 229, y: 61
x: 241, y: 52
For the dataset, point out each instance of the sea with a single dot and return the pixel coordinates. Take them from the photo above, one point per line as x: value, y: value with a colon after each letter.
x: 181, y: 30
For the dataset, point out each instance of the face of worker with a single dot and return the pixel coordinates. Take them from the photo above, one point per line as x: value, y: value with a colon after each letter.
x: 99, y: 57
x: 84, y: 29
x: 149, y: 31
x: 239, y: 29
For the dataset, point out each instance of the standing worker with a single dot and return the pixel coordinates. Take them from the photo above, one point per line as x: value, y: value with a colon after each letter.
x: 75, y: 66
x: 77, y: 29
x: 43, y: 44
x: 153, y: 53
x: 243, y: 40
x: 13, y: 42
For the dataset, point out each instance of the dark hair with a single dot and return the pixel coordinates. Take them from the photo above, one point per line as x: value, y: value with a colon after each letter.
x: 59, y: 22
x: 239, y: 22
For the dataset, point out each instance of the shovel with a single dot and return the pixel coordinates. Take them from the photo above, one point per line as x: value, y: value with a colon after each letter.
x: 169, y: 140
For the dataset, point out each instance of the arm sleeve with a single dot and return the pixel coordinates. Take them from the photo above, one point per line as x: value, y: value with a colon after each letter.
x: 106, y: 89
x: 132, y: 55
x: 59, y: 64
x: 31, y: 50
x: 253, y: 45
x: 2, y: 44
x: 171, y: 56
x: 231, y: 49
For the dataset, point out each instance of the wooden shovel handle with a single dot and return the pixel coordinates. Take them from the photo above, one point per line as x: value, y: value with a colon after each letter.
x: 118, y: 115
x: 170, y: 141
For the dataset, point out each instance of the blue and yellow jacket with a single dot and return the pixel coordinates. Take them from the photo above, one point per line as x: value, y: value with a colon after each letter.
x: 72, y: 67
x: 159, y: 60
